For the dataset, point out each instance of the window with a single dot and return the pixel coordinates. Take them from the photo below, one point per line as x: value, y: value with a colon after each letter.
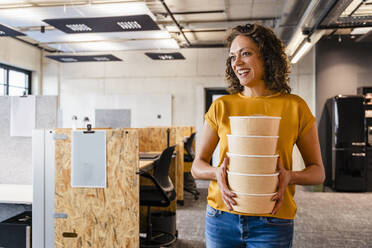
x: 14, y: 81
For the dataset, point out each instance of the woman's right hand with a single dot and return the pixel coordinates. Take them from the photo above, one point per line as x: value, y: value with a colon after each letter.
x: 221, y: 177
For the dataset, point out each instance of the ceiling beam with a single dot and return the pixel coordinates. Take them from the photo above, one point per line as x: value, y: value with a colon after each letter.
x: 223, y: 21
x: 175, y: 21
x: 192, y: 12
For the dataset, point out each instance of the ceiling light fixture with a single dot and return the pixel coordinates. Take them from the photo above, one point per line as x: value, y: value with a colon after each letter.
x: 165, y: 56
x: 104, y: 24
x: 129, y: 25
x: 305, y: 47
x: 5, y: 31
x: 84, y: 58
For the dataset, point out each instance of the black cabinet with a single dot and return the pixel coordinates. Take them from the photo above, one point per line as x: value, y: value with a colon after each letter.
x: 350, y: 170
x: 15, y: 232
x: 369, y: 169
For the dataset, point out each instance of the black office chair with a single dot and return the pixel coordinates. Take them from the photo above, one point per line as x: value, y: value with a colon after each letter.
x: 188, y: 179
x: 160, y: 194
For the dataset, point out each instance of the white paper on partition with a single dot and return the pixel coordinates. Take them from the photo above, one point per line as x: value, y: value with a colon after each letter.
x: 88, y: 159
x: 22, y: 115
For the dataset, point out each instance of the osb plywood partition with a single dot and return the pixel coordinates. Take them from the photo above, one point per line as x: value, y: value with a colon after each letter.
x: 180, y: 163
x: 155, y: 139
x: 99, y: 217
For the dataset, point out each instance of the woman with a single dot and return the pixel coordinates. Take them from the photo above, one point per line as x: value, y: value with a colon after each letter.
x: 257, y: 74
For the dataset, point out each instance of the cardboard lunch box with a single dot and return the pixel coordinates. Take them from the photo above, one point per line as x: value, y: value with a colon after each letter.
x: 252, y: 164
x: 255, y: 125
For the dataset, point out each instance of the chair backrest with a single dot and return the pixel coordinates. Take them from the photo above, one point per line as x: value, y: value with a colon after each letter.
x: 161, y: 169
x: 188, y: 145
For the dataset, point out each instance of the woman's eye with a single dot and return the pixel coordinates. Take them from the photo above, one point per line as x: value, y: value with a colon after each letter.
x: 232, y: 58
x: 246, y: 53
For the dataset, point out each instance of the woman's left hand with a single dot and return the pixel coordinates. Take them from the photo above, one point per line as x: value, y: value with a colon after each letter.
x: 284, y: 179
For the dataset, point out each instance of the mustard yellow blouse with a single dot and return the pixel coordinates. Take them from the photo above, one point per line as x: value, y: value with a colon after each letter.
x: 296, y: 120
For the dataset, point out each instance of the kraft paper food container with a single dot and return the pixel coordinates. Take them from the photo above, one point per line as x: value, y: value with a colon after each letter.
x: 252, y: 145
x: 255, y: 125
x: 252, y: 164
x: 253, y: 183
x: 254, y: 203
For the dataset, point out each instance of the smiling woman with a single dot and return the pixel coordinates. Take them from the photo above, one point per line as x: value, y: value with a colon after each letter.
x: 266, y: 49
x: 257, y: 76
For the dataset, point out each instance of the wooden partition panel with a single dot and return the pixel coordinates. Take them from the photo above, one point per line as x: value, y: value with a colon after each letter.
x: 99, y: 217
x: 180, y: 163
x: 155, y: 139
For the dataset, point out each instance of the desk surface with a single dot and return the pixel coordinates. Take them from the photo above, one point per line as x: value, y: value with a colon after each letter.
x: 146, y: 164
x: 16, y: 193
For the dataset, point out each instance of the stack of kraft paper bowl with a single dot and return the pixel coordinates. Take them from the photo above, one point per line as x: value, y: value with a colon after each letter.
x: 252, y: 173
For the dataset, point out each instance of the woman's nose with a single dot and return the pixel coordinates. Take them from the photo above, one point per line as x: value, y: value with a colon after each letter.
x: 238, y: 60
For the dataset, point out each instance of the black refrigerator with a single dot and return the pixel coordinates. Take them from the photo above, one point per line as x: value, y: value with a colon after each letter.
x: 349, y: 161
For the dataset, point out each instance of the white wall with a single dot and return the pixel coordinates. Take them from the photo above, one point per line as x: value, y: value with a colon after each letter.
x: 137, y: 74
x: 303, y: 83
x: 19, y: 54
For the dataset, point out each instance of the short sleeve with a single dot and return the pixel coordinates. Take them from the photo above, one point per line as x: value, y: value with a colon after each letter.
x: 211, y: 117
x: 306, y: 118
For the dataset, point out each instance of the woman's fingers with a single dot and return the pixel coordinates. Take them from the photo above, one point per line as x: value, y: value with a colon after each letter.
x: 279, y: 165
x: 283, y: 182
x: 227, y: 194
x: 225, y: 162
x: 279, y: 200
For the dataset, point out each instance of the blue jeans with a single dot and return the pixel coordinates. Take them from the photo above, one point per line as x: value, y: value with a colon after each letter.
x: 227, y: 230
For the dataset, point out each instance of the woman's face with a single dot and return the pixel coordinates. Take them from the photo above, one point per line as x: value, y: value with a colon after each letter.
x: 246, y: 61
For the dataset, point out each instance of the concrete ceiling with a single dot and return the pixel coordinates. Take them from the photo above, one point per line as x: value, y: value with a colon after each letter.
x: 183, y: 23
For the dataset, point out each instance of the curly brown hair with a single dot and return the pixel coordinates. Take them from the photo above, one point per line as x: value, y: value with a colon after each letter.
x: 276, y: 64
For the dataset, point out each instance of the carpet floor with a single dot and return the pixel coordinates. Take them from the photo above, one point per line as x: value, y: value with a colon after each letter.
x: 323, y: 220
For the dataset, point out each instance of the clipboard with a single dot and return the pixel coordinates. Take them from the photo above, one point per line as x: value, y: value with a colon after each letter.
x: 88, y: 159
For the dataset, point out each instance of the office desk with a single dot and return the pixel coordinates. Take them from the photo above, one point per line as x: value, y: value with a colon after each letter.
x: 145, y: 164
x: 147, y: 159
x: 16, y: 193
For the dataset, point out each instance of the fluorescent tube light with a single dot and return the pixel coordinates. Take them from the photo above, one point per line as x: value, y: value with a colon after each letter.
x: 294, y: 43
x: 302, y: 51
x: 315, y: 37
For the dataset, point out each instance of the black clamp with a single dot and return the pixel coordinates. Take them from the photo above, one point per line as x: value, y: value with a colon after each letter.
x: 89, y: 129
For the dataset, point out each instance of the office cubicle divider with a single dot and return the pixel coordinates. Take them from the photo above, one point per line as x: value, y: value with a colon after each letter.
x: 84, y: 217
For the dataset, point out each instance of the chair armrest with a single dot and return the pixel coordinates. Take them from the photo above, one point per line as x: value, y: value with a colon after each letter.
x: 156, y: 183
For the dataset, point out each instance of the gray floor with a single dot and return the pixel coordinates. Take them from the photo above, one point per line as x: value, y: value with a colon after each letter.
x: 324, y: 219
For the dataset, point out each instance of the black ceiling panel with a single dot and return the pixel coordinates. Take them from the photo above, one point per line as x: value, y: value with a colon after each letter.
x: 5, y: 31
x: 165, y: 56
x: 104, y: 24
x: 84, y: 58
